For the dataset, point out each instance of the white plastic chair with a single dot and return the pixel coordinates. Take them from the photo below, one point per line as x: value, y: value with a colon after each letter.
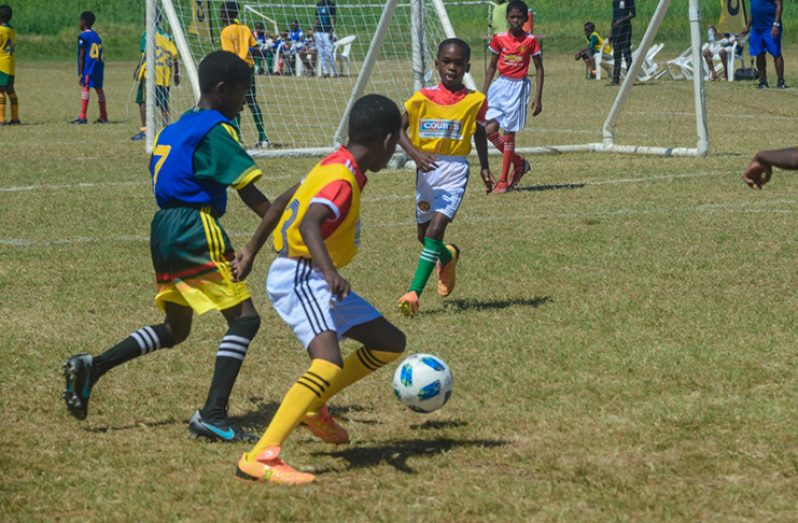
x: 651, y: 70
x: 342, y: 48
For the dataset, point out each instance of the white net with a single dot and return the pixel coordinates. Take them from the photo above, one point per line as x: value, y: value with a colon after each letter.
x: 301, y: 102
x: 302, y: 109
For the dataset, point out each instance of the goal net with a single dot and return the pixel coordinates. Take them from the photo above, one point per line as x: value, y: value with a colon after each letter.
x: 388, y: 47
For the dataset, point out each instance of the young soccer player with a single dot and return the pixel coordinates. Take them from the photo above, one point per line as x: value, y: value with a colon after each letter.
x: 167, y: 68
x: 8, y: 38
x: 319, y: 235
x: 594, y: 42
x: 437, y: 127
x: 508, y: 96
x: 260, y: 36
x: 193, y: 163
x: 761, y: 167
x: 91, y: 68
x: 238, y: 39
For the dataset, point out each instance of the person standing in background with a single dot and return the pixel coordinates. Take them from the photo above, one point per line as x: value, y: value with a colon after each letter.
x: 765, y: 30
x: 622, y: 13
x: 323, y: 34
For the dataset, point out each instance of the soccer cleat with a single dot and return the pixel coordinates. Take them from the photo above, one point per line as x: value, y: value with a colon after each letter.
x: 324, y: 427
x: 408, y: 304
x: 762, y: 85
x: 199, y: 428
x: 101, y: 120
x: 138, y: 136
x: 779, y: 85
x: 79, y: 121
x: 263, y: 144
x: 519, y: 170
x: 500, y: 187
x: 78, y: 370
x: 268, y: 467
x: 13, y: 122
x: 446, y: 273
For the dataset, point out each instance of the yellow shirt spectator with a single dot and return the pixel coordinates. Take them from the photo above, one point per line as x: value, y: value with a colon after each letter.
x: 165, y: 57
x: 8, y: 37
x: 237, y: 38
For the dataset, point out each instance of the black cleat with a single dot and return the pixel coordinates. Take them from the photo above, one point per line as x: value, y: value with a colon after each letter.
x: 78, y: 371
x: 225, y: 431
x: 781, y: 85
x: 762, y: 85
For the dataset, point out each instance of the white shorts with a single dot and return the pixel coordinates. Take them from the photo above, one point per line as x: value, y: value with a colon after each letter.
x: 441, y: 190
x: 300, y: 294
x: 508, y: 102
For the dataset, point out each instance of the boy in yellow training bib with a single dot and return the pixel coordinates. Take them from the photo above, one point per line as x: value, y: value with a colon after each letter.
x: 437, y: 128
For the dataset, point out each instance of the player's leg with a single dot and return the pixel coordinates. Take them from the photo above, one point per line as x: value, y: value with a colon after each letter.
x: 774, y: 48
x: 103, y: 106
x: 3, y: 99
x: 710, y: 65
x: 761, y: 66
x: 263, y: 140
x: 617, y: 55
x: 724, y: 56
x: 13, y: 101
x: 82, y: 370
x: 84, y: 101
x: 434, y: 250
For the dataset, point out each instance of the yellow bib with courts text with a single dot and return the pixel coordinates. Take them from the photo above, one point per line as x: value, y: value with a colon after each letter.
x: 443, y: 129
x: 607, y: 50
x: 342, y: 244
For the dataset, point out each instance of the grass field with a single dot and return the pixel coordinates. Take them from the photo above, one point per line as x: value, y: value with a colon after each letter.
x: 622, y: 337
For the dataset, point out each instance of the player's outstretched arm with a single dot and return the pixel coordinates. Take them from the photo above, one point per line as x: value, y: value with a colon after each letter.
x: 760, y: 169
x: 425, y: 162
x: 244, y: 258
x: 490, y: 72
x: 537, y: 103
x: 481, y: 144
x: 310, y: 228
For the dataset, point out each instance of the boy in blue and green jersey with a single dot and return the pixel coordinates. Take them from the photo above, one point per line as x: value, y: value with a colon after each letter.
x: 193, y: 163
x: 91, y: 68
x: 8, y: 37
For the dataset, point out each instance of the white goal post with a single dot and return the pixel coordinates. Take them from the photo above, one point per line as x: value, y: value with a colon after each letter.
x: 389, y: 46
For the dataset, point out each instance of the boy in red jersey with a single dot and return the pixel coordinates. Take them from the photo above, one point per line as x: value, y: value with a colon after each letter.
x: 319, y: 235
x: 508, y: 96
x: 436, y: 133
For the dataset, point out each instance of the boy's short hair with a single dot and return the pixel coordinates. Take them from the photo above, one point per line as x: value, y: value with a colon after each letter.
x: 373, y: 117
x: 459, y: 43
x: 88, y: 18
x: 230, y: 9
x: 259, y: 25
x: 222, y: 66
x: 590, y: 24
x: 518, y: 5
x: 6, y: 12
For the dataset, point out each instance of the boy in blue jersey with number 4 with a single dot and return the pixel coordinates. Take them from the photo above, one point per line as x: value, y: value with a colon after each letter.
x: 193, y: 163
x: 91, y: 68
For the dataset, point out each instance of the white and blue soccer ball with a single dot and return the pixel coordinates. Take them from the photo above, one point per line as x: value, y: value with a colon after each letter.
x: 423, y: 382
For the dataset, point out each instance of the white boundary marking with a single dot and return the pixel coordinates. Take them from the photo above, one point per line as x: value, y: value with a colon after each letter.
x: 708, y: 208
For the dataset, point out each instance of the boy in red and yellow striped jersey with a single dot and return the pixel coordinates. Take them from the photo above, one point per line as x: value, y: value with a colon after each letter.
x: 437, y: 128
x: 319, y: 233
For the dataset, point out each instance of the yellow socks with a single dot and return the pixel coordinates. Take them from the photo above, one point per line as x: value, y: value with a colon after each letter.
x: 311, y: 386
x: 12, y: 98
x: 357, y: 366
x: 2, y: 107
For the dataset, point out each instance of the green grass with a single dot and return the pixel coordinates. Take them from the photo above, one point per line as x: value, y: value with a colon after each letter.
x: 622, y: 336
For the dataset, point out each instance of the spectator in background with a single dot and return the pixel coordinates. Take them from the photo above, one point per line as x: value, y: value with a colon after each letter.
x: 718, y: 47
x: 261, y: 37
x: 498, y: 17
x: 309, y: 52
x: 323, y: 34
x: 594, y: 43
x: 622, y: 13
x: 765, y: 29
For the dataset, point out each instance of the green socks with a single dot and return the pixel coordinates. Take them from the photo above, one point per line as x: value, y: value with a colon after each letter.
x: 433, y: 251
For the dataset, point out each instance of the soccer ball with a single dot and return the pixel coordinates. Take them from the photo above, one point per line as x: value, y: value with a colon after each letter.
x: 423, y: 382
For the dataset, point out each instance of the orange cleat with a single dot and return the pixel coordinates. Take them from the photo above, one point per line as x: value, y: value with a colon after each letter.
x: 408, y: 304
x: 324, y: 427
x: 500, y: 187
x: 447, y: 273
x: 268, y: 467
x: 519, y: 170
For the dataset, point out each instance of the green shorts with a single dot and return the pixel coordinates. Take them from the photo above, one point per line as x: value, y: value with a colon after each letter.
x: 161, y: 96
x: 191, y: 256
x: 6, y: 80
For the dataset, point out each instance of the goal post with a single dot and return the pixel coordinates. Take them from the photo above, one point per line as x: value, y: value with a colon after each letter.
x: 390, y: 46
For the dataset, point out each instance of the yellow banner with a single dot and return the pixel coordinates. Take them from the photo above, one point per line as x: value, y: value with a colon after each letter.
x: 733, y: 16
x: 200, y: 18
